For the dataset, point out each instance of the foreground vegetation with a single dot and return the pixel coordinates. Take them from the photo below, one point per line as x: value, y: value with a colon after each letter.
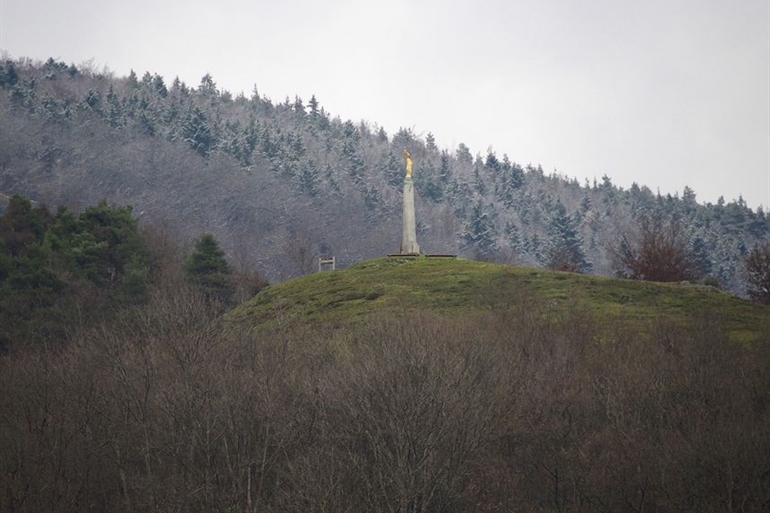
x: 449, y: 386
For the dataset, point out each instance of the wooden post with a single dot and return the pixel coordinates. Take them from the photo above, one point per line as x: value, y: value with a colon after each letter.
x: 322, y: 261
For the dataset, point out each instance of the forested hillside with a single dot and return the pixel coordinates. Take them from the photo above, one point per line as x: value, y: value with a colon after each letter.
x: 280, y: 183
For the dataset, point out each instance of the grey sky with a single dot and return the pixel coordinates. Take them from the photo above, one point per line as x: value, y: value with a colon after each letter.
x: 665, y: 93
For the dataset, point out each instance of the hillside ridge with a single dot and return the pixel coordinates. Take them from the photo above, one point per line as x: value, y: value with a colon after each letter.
x: 464, y: 287
x: 281, y: 183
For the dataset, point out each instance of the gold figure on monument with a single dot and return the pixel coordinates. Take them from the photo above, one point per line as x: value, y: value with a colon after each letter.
x: 408, y: 158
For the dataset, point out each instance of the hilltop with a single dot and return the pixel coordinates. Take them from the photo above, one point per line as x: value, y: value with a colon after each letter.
x: 455, y: 288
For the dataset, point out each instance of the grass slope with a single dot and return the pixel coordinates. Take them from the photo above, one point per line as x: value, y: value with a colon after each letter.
x: 461, y: 287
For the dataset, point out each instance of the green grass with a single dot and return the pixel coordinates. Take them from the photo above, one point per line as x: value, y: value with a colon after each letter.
x: 458, y: 287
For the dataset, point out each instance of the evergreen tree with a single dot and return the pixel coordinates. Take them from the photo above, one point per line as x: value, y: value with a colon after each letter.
x: 535, y: 248
x: 21, y: 226
x: 308, y: 178
x: 478, y: 183
x: 357, y: 169
x: 313, y: 105
x: 479, y: 232
x: 392, y: 169
x: 207, y: 269
x: 8, y: 75
x: 331, y: 178
x: 106, y: 244
x: 132, y: 82
x: 427, y: 182
x: 514, y: 237
x: 585, y: 203
x: 757, y: 266
x: 464, y: 154
x: 445, y: 169
x: 700, y: 256
x: 91, y: 101
x: 197, y: 133
x: 565, y: 244
x: 208, y: 87
x: 492, y: 162
x: 299, y: 107
x: 372, y: 202
x: 115, y: 114
x: 159, y: 86
x: 382, y: 135
x: 53, y: 266
x: 430, y: 142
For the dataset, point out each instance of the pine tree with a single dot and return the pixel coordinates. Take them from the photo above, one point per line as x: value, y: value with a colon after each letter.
x: 430, y: 142
x: 392, y: 169
x: 445, y: 171
x: 427, y: 182
x: 565, y: 245
x: 480, y: 232
x: 478, y: 183
x: 197, y: 133
x: 108, y: 242
x: 757, y: 268
x: 207, y: 86
x: 514, y: 237
x: 492, y: 162
x: 299, y: 107
x: 159, y: 85
x: 313, y: 106
x: 372, y: 202
x: 464, y: 154
x: 208, y: 270
x: 308, y: 178
x: 21, y: 226
x: 700, y: 256
x: 8, y: 75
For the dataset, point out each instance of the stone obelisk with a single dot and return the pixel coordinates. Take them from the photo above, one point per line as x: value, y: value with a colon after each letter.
x: 409, y: 237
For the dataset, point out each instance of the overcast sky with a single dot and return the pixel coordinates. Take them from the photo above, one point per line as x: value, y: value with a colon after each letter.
x: 665, y: 93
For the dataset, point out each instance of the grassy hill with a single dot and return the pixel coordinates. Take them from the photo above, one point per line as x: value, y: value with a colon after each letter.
x: 457, y: 287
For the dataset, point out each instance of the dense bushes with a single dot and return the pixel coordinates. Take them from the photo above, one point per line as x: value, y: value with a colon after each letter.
x: 64, y: 272
x: 520, y: 409
x: 54, y: 268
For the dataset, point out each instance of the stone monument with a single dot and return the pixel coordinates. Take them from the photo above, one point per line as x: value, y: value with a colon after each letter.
x: 409, y: 237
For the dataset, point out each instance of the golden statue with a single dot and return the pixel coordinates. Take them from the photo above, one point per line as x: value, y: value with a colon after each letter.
x: 408, y: 163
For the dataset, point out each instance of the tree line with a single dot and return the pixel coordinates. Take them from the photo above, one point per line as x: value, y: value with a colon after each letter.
x: 283, y: 180
x: 59, y: 272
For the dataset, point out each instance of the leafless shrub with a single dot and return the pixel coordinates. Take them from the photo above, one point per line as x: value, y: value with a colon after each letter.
x: 532, y: 406
x: 420, y: 399
x: 658, y: 251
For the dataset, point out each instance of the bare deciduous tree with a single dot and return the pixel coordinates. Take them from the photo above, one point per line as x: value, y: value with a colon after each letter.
x: 659, y: 250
